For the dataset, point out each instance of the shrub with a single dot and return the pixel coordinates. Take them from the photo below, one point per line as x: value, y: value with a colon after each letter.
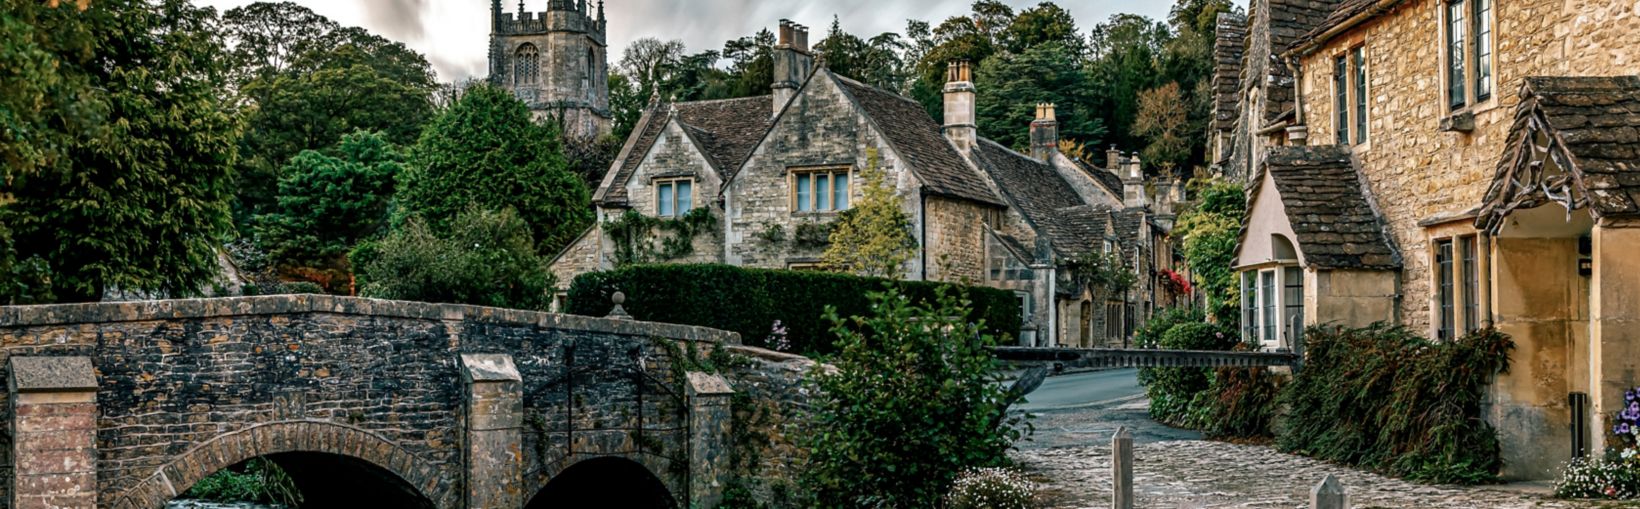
x: 1239, y: 403
x: 1150, y: 334
x: 1613, y: 476
x: 915, y: 399
x: 750, y: 301
x: 1388, y: 400
x: 1172, y: 390
x: 255, y: 481
x: 487, y: 259
x: 991, y: 488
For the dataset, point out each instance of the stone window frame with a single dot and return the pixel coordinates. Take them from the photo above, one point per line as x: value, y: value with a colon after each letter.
x: 1471, y: 306
x: 1002, y: 266
x: 831, y: 171
x: 809, y: 266
x: 526, y: 65
x: 1476, y: 97
x: 674, y: 181
x: 1257, y: 304
x: 1352, y: 70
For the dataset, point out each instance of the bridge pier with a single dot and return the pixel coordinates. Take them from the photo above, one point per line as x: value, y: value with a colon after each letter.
x: 492, y: 442
x: 709, y: 422
x: 54, y: 432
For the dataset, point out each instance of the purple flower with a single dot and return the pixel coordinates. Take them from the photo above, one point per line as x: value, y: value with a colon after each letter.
x: 1622, y: 428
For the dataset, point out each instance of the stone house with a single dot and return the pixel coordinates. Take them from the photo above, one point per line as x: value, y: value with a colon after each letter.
x: 755, y: 182
x: 1452, y: 165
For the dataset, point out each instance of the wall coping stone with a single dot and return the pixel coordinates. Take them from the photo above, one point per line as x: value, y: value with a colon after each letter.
x: 52, y: 374
x: 489, y: 367
x: 137, y: 311
x: 707, y: 384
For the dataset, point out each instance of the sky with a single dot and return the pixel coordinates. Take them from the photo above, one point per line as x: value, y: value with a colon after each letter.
x: 454, y: 34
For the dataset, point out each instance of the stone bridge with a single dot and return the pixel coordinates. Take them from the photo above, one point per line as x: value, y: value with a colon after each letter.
x: 1143, y: 358
x: 373, y: 403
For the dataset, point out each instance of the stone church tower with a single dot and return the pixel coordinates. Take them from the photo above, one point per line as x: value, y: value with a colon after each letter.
x: 556, y: 61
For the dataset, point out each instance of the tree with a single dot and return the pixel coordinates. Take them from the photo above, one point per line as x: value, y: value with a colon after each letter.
x: 1124, y: 52
x: 1163, y: 121
x: 915, y: 399
x: 267, y: 36
x: 751, y: 63
x: 1010, y: 86
x: 485, y: 258
x: 136, y: 194
x: 1046, y: 23
x: 648, y: 62
x: 625, y: 105
x: 486, y: 150
x: 329, y: 203
x: 1208, y: 232
x: 873, y: 237
x: 875, y: 62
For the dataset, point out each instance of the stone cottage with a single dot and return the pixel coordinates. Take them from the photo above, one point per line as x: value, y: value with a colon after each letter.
x: 755, y: 182
x: 1452, y: 165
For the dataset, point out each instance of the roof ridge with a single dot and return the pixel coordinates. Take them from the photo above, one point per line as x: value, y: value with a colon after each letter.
x: 876, y: 89
x: 723, y: 100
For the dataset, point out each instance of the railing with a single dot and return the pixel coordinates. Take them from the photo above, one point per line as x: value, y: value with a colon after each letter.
x: 1144, y: 358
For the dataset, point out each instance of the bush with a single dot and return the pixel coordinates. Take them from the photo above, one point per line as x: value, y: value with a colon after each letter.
x: 1172, y: 390
x: 1150, y: 334
x: 487, y: 259
x: 255, y: 481
x: 1614, y: 476
x: 1388, y: 400
x: 915, y: 399
x: 1240, y: 403
x: 991, y: 488
x: 750, y: 301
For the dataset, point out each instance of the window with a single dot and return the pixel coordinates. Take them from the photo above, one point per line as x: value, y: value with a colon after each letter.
x: 1458, y: 286
x: 1292, y: 301
x: 1267, y: 298
x: 1004, y: 266
x: 1483, y: 49
x: 1113, y: 320
x: 1272, y: 302
x: 526, y: 65
x: 1350, y: 95
x: 820, y: 190
x: 1360, y: 91
x: 1025, y: 306
x: 1455, y: 54
x: 1471, y: 285
x: 1468, y: 52
x: 1341, y: 100
x: 806, y: 266
x: 1443, y: 291
x: 674, y: 198
x: 1249, y: 307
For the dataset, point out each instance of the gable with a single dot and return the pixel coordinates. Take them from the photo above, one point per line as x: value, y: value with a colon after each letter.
x: 1332, y: 220
x: 1266, y: 219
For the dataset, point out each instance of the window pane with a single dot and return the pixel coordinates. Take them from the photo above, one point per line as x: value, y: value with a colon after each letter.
x: 822, y: 192
x: 1249, y: 307
x: 686, y: 197
x: 1341, y: 101
x: 1267, y: 296
x: 663, y: 199
x: 1443, y: 270
x: 803, y: 193
x: 1483, y: 49
x: 1455, y: 53
x: 1360, y: 95
x: 1471, y: 286
x: 1292, y: 299
x: 840, y: 183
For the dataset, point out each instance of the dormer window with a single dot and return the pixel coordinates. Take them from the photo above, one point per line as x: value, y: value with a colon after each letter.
x: 820, y: 190
x: 675, y: 197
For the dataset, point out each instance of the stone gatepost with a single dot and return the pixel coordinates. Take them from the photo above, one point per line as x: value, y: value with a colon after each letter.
x: 54, y: 432
x: 709, y: 426
x: 492, y: 432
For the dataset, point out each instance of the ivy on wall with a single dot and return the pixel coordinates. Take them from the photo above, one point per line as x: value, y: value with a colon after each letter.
x: 643, y: 239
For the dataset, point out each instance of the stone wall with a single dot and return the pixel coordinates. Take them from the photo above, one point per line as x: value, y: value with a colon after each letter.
x: 955, y: 232
x: 585, y: 254
x: 770, y: 408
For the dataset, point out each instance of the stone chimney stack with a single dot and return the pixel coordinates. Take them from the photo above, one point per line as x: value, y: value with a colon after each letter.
x: 1044, y: 133
x: 961, y: 125
x: 792, y: 63
x: 1113, y: 160
x: 1133, y: 183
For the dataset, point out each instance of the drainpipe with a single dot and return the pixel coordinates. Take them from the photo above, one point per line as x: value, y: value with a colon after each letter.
x: 922, y: 196
x: 1053, y: 307
x: 1298, y: 133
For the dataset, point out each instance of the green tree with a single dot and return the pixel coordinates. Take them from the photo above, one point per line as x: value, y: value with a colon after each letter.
x: 625, y: 105
x: 485, y: 150
x: 1208, y: 239
x: 329, y: 203
x: 1043, y: 24
x: 1163, y: 120
x: 875, y: 62
x: 1011, y: 85
x: 751, y: 63
x: 914, y: 400
x: 873, y: 237
x: 1123, y: 53
x: 136, y: 193
x: 485, y: 259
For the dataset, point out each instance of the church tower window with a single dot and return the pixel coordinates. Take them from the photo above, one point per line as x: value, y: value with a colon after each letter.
x: 526, y: 65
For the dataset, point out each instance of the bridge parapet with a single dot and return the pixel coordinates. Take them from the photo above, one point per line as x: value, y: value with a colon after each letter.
x: 1145, y: 358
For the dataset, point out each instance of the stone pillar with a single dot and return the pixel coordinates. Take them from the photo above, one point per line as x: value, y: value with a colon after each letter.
x: 1614, y: 343
x: 1328, y: 494
x: 709, y: 427
x: 54, y: 432
x: 492, y: 432
x: 1121, y: 469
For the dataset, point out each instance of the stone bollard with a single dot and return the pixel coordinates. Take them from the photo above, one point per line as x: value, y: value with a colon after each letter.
x: 1121, y: 469
x: 1329, y: 494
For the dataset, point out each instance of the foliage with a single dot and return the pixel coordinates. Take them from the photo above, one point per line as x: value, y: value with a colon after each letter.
x: 914, y: 400
x: 1239, y: 403
x: 1615, y: 475
x: 485, y: 258
x: 643, y: 239
x: 486, y: 150
x: 589, y: 157
x: 991, y: 488
x: 131, y: 190
x: 1162, y: 121
x: 873, y: 237
x: 1010, y: 85
x: 1150, y: 334
x: 257, y: 481
x: 875, y: 62
x: 813, y: 234
x: 1105, y: 272
x: 1208, y: 232
x: 1384, y: 399
x: 329, y: 203
x: 42, y: 104
x: 1172, y: 391
x: 747, y: 301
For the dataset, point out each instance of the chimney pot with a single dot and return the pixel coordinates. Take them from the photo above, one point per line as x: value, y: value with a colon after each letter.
x: 961, y: 126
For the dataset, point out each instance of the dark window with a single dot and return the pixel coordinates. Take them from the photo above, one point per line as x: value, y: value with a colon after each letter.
x: 1360, y: 55
x: 1483, y: 49
x: 1443, y: 271
x: 1341, y: 100
x: 1293, y: 300
x: 1455, y: 54
x: 1471, y: 285
x: 526, y: 65
x: 1249, y: 306
x: 1267, y: 291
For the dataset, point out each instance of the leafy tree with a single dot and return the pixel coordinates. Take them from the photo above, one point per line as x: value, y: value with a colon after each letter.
x: 133, y: 195
x: 1208, y: 232
x: 485, y: 258
x: 915, y: 399
x: 875, y: 62
x: 1123, y: 54
x: 1163, y: 120
x: 625, y: 105
x: 873, y: 238
x: 329, y: 203
x: 1043, y: 24
x: 589, y: 157
x: 267, y: 36
x: 1011, y: 85
x: 485, y: 150
x: 751, y: 63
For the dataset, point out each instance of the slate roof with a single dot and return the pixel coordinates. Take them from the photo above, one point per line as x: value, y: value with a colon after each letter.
x: 918, y: 139
x: 1598, y: 121
x: 1333, y: 218
x: 1078, y: 230
x: 1340, y: 15
x: 1287, y: 21
x: 1104, y: 177
x: 1033, y: 186
x: 1228, y: 49
x: 726, y: 130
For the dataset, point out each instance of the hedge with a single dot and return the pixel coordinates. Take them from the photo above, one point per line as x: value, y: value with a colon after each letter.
x: 750, y: 301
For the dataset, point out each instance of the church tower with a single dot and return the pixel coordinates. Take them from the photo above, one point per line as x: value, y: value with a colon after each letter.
x: 556, y: 61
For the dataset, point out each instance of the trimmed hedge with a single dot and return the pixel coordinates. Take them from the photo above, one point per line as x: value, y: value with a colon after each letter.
x: 749, y: 301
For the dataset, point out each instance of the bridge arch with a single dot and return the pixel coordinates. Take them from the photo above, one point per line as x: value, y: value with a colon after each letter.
x: 274, y: 439
x: 605, y: 481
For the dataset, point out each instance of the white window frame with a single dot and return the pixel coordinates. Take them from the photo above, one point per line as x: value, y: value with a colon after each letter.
x: 1269, y: 336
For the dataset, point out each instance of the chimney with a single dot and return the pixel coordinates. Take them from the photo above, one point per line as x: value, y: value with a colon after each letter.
x: 960, y: 126
x: 792, y: 63
x: 1113, y: 160
x: 1133, y: 183
x: 1044, y: 133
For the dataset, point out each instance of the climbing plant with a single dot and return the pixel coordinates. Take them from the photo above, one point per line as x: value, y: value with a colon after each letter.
x: 644, y: 239
x: 1102, y: 271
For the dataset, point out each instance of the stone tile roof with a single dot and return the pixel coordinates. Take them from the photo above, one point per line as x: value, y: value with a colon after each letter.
x: 1076, y: 231
x: 917, y: 138
x: 1332, y: 216
x: 1104, y: 177
x: 1340, y: 16
x: 1032, y: 186
x: 1228, y: 49
x: 1594, y: 122
x: 1127, y: 224
x: 727, y: 131
x: 1287, y: 21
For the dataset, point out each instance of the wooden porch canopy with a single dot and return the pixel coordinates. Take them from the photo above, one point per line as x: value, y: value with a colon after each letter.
x: 1575, y: 142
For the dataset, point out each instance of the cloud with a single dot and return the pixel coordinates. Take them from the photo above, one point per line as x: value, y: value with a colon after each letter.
x: 399, y: 20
